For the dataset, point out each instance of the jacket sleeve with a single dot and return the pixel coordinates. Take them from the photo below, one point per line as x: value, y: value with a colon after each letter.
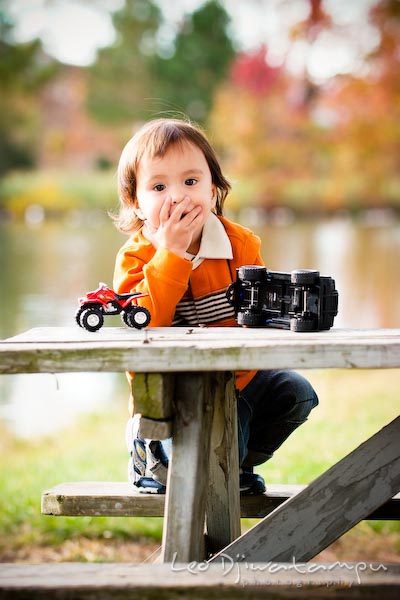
x: 164, y: 276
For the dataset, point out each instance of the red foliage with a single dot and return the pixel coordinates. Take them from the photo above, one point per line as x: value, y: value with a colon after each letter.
x: 252, y: 72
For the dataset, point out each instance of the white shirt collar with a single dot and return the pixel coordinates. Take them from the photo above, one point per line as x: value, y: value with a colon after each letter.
x: 215, y: 242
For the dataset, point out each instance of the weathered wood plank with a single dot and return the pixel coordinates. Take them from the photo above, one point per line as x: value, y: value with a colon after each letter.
x: 223, y: 497
x: 149, y: 335
x: 198, y: 349
x: 100, y: 498
x: 155, y: 430
x: 120, y: 499
x: 331, y: 505
x: 242, y: 581
x: 183, y: 532
x: 153, y: 393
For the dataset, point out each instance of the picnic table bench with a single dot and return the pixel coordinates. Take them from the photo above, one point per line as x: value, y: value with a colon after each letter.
x: 184, y: 387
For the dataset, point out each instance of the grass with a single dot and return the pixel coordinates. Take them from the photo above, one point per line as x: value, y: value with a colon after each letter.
x: 93, y: 449
x: 353, y: 405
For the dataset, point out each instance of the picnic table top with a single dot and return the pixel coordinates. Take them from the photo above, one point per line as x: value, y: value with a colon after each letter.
x: 175, y: 349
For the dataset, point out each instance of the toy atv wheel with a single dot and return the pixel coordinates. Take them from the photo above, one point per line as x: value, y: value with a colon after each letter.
x: 250, y: 319
x: 304, y: 277
x: 301, y: 324
x: 252, y: 273
x: 78, y: 315
x: 91, y: 319
x: 137, y: 316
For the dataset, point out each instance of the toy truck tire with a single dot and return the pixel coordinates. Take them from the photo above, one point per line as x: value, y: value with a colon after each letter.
x: 92, y: 319
x: 137, y: 317
x: 252, y: 273
x: 230, y: 293
x: 250, y: 319
x: 301, y: 325
x: 304, y: 277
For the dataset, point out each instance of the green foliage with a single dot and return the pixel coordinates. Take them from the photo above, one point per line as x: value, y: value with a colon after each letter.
x: 23, y: 71
x: 13, y: 155
x: 58, y: 192
x: 119, y: 81
x: 134, y: 80
x: 203, y: 53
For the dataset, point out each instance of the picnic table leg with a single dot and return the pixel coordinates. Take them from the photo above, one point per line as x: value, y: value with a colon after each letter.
x: 184, y: 514
x: 331, y: 505
x: 223, y: 500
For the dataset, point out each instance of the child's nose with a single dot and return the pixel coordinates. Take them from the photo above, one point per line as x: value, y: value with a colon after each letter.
x: 178, y: 196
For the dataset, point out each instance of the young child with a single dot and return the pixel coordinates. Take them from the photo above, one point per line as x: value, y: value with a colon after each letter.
x: 184, y: 254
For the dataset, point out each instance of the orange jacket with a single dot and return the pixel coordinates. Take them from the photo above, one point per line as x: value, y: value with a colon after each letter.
x: 180, y: 295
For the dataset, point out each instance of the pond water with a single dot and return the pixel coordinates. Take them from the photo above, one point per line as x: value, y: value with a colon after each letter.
x: 44, y: 269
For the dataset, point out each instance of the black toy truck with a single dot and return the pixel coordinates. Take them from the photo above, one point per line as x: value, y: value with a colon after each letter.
x: 300, y: 301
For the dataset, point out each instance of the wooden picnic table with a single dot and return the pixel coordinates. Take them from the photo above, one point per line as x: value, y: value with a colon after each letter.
x: 184, y: 387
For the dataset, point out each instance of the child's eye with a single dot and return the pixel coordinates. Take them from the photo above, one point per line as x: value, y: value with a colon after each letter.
x: 159, y: 187
x: 191, y: 181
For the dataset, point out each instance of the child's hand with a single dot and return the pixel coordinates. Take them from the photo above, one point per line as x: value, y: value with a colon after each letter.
x: 180, y: 225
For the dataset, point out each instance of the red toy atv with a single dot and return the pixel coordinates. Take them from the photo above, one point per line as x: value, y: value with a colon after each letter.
x: 104, y: 301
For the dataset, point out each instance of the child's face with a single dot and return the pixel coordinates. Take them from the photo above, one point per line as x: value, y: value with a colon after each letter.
x: 178, y: 181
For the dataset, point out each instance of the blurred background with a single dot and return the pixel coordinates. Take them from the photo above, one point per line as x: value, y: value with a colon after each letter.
x: 301, y: 99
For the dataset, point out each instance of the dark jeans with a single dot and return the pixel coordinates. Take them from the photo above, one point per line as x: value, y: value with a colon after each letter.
x: 270, y: 408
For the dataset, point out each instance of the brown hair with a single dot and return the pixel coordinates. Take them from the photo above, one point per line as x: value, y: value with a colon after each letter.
x: 154, y: 139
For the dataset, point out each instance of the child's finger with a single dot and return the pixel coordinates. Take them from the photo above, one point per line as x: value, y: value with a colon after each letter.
x: 166, y: 210
x: 192, y: 215
x: 180, y: 209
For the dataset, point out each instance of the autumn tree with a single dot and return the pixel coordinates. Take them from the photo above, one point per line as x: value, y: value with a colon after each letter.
x: 311, y: 145
x: 262, y: 132
x: 275, y: 150
x: 24, y: 70
x: 366, y: 109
